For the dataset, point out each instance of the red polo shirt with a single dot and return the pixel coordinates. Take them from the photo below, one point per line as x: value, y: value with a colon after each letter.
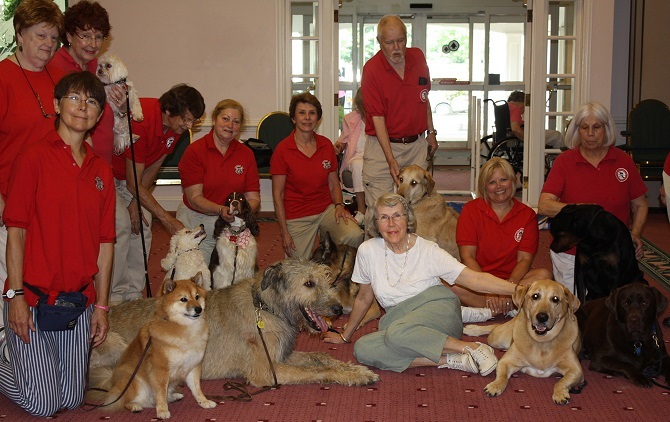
x: 402, y: 102
x: 67, y: 212
x: 152, y: 144
x: 497, y: 242
x: 220, y: 175
x: 666, y: 166
x: 102, y: 134
x: 306, y: 192
x: 612, y: 185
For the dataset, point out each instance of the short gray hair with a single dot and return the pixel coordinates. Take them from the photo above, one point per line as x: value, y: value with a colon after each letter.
x: 391, y: 200
x: 592, y: 109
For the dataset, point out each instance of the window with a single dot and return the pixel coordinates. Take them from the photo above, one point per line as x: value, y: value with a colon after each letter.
x: 7, y: 36
x: 304, y: 47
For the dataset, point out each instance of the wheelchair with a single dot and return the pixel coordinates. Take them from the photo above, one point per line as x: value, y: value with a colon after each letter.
x: 502, y: 143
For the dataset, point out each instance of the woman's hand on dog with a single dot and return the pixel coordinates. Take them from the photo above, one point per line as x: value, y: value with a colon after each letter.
x: 499, y: 304
x: 20, y: 318
x: 117, y: 95
x: 332, y: 337
x: 99, y: 326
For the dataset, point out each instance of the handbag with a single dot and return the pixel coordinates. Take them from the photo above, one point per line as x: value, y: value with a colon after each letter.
x: 63, y: 314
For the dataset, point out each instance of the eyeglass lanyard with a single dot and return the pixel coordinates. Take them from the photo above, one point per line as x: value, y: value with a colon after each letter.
x: 31, y: 85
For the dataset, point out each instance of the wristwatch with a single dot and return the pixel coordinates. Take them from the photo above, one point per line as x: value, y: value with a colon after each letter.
x: 11, y: 293
x: 433, y: 131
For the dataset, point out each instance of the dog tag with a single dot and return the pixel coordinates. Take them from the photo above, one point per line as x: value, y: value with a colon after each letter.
x: 261, y: 324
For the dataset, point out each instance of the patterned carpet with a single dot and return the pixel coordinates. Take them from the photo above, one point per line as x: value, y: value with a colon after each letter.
x: 656, y: 263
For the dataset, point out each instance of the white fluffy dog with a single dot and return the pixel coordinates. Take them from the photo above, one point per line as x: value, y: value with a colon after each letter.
x: 112, y: 71
x: 185, y: 257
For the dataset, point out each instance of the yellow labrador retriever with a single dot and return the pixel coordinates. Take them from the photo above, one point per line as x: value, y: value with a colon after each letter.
x: 542, y: 339
x: 435, y: 220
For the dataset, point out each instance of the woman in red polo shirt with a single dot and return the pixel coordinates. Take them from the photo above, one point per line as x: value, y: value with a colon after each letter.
x: 497, y: 234
x: 60, y: 224
x: 212, y: 168
x: 305, y: 189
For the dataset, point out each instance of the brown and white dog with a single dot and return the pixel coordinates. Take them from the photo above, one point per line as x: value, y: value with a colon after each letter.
x: 542, y: 339
x: 234, y: 256
x: 112, y: 71
x: 435, y: 220
x: 178, y: 336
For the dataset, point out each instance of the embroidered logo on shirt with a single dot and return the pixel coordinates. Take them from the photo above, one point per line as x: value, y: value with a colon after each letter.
x: 326, y: 164
x: 621, y: 174
x: 424, y: 95
x: 239, y: 169
x: 99, y: 185
x: 169, y: 141
x: 518, y: 235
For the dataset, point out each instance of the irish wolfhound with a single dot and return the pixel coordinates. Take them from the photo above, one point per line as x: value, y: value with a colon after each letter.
x: 289, y: 296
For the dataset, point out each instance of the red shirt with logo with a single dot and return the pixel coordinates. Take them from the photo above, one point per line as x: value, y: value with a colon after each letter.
x: 67, y: 211
x: 220, y: 175
x: 306, y: 192
x: 498, y: 242
x: 402, y: 102
x: 612, y: 185
x: 152, y: 144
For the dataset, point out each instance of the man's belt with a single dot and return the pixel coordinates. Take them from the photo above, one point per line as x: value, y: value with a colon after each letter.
x: 404, y: 140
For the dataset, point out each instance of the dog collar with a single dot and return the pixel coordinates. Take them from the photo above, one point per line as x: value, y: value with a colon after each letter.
x: 119, y: 82
x: 637, y: 346
x: 241, y: 239
x: 187, y: 250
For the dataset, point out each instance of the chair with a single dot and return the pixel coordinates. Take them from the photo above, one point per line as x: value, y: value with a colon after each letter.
x: 647, y: 137
x: 272, y: 129
x: 502, y: 143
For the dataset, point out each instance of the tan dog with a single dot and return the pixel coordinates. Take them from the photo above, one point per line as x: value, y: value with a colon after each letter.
x: 542, y: 339
x: 178, y: 334
x: 289, y: 296
x: 435, y: 220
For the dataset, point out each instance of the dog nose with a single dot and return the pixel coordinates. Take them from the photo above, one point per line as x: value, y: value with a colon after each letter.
x: 198, y: 310
x: 542, y: 317
x: 337, y: 310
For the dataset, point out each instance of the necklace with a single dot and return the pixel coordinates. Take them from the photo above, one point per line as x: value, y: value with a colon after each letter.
x: 386, y: 262
x: 37, y: 96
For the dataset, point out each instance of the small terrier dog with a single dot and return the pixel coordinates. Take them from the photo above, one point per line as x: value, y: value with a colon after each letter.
x: 185, y: 257
x: 112, y: 71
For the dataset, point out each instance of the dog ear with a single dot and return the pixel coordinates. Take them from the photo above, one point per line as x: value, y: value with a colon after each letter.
x: 430, y: 182
x: 611, y: 302
x: 573, y: 301
x: 661, y: 301
x: 273, y: 275
x: 198, y: 279
x: 250, y: 220
x: 519, y: 296
x: 168, y: 286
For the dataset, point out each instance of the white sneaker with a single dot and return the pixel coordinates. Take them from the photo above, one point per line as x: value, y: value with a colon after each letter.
x: 460, y: 361
x: 484, y: 357
x: 469, y: 314
x: 512, y: 313
x: 359, y: 217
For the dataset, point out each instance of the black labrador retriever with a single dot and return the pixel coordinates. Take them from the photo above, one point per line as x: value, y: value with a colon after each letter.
x: 622, y: 335
x: 605, y: 257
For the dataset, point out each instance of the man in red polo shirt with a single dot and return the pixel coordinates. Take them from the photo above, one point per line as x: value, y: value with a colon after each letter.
x: 395, y: 88
x: 165, y: 119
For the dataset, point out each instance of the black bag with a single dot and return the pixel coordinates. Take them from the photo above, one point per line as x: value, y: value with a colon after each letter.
x: 63, y: 314
x: 262, y: 152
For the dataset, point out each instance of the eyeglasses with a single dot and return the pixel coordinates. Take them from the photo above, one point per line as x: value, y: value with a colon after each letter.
x: 88, y: 38
x: 386, y: 219
x: 190, y: 122
x: 77, y: 100
x: 595, y: 128
x: 44, y: 113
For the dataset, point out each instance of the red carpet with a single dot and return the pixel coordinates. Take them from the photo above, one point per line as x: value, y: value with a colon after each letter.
x: 427, y: 394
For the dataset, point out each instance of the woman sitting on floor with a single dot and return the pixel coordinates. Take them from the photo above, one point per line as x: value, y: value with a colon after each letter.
x: 422, y: 325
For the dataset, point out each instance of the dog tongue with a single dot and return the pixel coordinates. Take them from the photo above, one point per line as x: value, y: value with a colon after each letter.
x: 323, y: 325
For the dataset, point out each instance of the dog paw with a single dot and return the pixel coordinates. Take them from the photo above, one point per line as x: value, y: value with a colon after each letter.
x: 561, y: 397
x: 162, y: 414
x: 495, y: 388
x: 175, y: 396
x: 641, y: 381
x: 207, y: 404
x: 473, y: 330
x: 134, y: 407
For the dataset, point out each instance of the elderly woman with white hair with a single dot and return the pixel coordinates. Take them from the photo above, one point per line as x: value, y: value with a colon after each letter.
x: 594, y: 171
x: 422, y: 325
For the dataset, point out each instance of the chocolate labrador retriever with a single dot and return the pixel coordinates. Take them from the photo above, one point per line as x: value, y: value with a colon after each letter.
x: 622, y: 335
x: 605, y: 257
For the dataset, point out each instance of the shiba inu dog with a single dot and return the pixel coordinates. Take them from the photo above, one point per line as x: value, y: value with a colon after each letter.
x: 178, y: 334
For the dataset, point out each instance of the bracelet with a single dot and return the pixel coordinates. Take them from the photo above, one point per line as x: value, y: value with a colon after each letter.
x: 122, y: 114
x: 344, y: 339
x: 104, y: 308
x: 339, y: 203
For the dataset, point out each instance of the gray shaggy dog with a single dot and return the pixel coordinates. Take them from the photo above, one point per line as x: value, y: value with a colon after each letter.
x: 287, y: 297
